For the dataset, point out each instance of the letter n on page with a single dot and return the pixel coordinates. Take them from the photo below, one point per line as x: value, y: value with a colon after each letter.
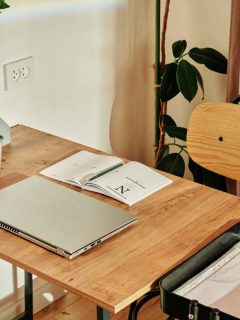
x: 122, y: 190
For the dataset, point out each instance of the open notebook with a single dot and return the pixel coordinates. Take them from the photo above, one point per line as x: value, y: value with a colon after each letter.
x: 109, y: 175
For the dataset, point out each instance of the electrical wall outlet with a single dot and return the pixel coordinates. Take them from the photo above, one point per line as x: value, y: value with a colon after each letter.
x: 18, y: 73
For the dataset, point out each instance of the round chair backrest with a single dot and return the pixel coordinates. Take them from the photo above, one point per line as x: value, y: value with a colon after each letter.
x: 213, y: 138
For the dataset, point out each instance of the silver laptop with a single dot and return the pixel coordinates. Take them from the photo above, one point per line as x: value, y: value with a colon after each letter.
x: 57, y: 218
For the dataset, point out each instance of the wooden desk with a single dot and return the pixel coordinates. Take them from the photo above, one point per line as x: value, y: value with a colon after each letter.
x: 173, y: 223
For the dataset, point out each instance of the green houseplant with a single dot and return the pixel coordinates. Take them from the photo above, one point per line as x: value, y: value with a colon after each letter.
x: 180, y: 76
x: 3, y: 4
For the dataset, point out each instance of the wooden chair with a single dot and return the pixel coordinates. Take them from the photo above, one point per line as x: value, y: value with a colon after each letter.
x: 213, y: 142
x: 213, y: 138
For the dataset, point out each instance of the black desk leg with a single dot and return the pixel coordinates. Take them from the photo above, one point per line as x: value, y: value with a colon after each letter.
x: 28, y: 296
x: 102, y: 314
x: 28, y: 292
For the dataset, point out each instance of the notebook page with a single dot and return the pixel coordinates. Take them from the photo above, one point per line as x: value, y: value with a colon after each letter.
x: 81, y: 166
x: 131, y: 182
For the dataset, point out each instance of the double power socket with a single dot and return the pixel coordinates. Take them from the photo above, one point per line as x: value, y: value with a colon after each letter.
x: 23, y: 72
x: 18, y: 73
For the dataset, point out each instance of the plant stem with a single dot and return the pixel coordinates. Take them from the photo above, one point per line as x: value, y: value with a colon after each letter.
x: 157, y: 71
x: 176, y: 144
x: 179, y: 58
x: 182, y: 149
x: 161, y: 142
x: 163, y: 109
x: 163, y: 41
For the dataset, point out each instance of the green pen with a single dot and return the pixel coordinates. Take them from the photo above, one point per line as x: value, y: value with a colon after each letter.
x: 103, y: 173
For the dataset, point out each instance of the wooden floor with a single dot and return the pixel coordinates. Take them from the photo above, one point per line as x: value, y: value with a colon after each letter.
x: 71, y: 307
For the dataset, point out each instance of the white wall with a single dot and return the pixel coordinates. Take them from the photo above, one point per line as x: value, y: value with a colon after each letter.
x: 74, y: 46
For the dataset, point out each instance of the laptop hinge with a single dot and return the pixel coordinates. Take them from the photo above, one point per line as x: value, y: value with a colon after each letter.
x: 60, y: 251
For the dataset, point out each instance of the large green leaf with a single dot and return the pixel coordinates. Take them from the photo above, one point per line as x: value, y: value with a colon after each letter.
x: 162, y: 72
x: 177, y: 132
x: 3, y: 4
x: 163, y: 153
x: 196, y: 170
x: 207, y: 177
x: 168, y: 121
x: 187, y: 80
x: 172, y: 163
x: 211, y: 58
x: 236, y: 100
x: 169, y: 88
x: 214, y: 180
x: 199, y: 80
x: 178, y: 48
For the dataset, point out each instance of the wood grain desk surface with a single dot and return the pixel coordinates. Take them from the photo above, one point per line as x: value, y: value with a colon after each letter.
x: 173, y: 223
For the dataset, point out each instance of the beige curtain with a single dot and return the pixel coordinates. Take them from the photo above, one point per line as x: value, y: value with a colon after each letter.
x: 233, y: 85
x: 132, y: 119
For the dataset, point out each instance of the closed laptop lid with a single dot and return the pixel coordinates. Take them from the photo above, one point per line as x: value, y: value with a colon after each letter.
x: 59, y: 216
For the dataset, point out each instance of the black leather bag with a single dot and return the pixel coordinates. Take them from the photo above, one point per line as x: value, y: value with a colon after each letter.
x: 182, y: 308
